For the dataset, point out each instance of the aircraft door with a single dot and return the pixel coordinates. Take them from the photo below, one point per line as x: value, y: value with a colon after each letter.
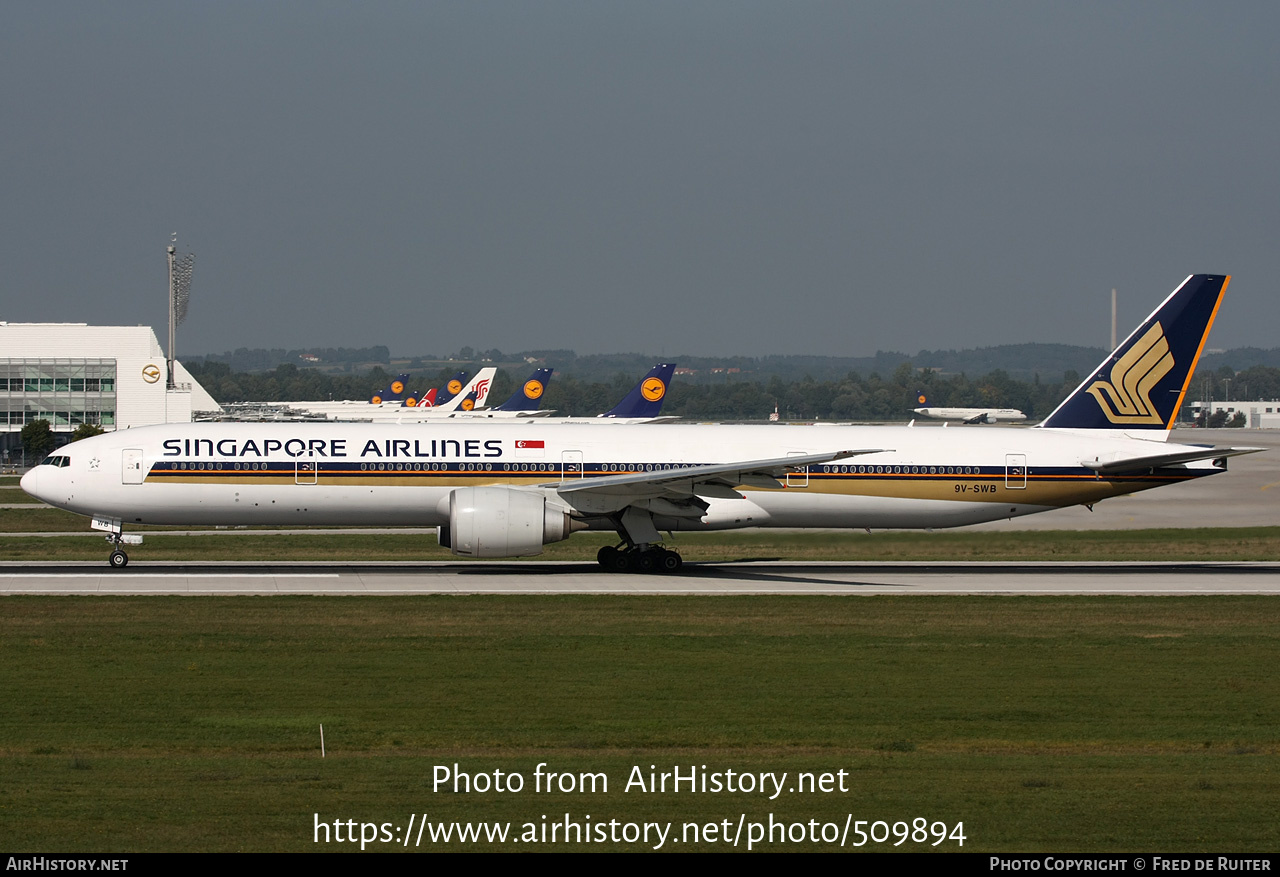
x: 305, y: 472
x: 1015, y: 471
x: 799, y: 478
x: 131, y: 466
x: 570, y: 465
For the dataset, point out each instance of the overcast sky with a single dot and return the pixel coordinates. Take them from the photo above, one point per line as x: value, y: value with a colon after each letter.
x: 702, y: 178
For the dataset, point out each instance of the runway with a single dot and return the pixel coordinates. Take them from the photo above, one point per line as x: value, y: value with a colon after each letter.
x: 549, y: 578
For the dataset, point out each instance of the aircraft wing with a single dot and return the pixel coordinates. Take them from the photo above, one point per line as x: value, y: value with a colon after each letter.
x: 1107, y: 467
x: 980, y: 417
x: 753, y: 473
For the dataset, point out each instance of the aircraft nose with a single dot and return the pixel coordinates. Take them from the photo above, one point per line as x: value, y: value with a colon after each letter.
x: 31, y: 482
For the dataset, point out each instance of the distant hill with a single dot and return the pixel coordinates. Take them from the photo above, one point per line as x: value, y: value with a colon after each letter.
x: 259, y: 359
x: 1023, y: 362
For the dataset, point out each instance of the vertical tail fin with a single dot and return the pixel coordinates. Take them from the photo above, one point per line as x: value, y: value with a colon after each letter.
x: 418, y: 400
x: 645, y: 400
x: 529, y: 396
x: 451, y: 389
x: 1142, y: 384
x: 472, y: 395
x: 394, y: 391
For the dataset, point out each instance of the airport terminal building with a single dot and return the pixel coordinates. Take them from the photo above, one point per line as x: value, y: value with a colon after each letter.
x: 73, y: 373
x: 1262, y: 414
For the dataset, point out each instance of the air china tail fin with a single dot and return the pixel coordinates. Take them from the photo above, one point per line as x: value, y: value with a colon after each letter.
x: 393, y: 393
x: 451, y: 389
x: 472, y: 395
x: 1142, y: 384
x: 645, y: 400
x: 529, y: 396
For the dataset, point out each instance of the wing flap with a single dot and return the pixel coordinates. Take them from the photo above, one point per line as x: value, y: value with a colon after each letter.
x: 685, y: 479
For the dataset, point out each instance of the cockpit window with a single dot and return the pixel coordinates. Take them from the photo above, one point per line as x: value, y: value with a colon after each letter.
x: 60, y: 460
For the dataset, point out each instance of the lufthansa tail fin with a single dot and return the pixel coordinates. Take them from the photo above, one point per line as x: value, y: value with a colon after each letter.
x: 921, y: 399
x: 1142, y: 384
x: 451, y: 389
x: 471, y: 396
x: 529, y: 396
x: 419, y: 400
x: 645, y: 400
x: 394, y: 391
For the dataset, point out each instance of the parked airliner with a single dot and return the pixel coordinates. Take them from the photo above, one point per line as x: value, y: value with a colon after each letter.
x: 506, y: 489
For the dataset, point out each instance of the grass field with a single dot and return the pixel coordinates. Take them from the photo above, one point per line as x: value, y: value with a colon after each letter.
x: 1108, y: 724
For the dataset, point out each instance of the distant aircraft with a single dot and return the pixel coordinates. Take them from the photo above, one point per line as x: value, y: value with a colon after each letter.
x: 394, y: 391
x: 968, y: 415
x: 646, y: 398
x: 506, y: 489
x: 452, y: 387
x: 420, y: 400
x: 524, y: 402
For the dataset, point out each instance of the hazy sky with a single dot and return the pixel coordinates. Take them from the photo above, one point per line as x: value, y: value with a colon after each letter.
x: 685, y: 177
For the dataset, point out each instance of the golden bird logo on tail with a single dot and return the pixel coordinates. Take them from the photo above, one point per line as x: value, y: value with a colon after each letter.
x: 1126, y: 398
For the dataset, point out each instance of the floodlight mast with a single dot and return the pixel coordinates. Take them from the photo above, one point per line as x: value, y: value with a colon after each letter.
x: 180, y: 271
x: 173, y: 322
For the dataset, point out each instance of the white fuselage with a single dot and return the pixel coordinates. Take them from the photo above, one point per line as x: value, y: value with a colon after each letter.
x: 977, y: 415
x: 403, y: 474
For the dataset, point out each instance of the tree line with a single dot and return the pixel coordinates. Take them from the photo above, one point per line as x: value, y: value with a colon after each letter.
x: 857, y: 397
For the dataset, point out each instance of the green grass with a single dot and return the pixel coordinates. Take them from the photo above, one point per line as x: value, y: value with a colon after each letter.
x: 1252, y: 543
x: 1110, y: 724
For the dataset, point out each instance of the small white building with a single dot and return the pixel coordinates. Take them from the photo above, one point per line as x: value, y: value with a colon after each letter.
x: 73, y: 373
x: 1258, y: 415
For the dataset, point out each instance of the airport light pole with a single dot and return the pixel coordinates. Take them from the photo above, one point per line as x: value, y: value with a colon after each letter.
x: 180, y: 270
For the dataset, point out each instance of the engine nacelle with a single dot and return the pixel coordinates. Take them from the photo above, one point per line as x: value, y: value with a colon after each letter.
x: 503, y: 522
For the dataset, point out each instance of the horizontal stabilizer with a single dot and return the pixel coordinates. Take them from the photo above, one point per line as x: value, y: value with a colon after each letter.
x: 1156, y: 461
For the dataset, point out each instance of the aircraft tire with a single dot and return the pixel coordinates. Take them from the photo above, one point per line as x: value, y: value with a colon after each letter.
x: 647, y: 562
x: 670, y: 562
x: 607, y: 556
x: 623, y: 561
x: 119, y: 560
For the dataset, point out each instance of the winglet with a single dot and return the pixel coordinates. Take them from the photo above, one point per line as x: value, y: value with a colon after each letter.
x: 1142, y: 384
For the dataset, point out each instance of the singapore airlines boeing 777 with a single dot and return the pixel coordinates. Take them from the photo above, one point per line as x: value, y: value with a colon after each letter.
x: 505, y: 489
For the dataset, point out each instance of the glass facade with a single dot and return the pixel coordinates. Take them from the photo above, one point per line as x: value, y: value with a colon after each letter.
x: 65, y: 392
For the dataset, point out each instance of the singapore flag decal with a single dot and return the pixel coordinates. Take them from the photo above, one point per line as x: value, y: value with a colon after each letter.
x: 530, y: 448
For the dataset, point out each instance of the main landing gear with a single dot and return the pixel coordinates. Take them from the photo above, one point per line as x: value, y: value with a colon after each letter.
x: 641, y: 559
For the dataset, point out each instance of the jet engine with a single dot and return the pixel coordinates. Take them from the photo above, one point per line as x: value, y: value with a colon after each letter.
x: 503, y: 522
